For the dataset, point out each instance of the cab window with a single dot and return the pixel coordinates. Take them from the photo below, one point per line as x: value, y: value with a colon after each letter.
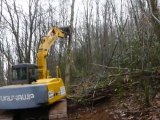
x: 20, y: 73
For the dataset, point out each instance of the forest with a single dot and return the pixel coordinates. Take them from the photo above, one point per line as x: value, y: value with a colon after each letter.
x: 113, y: 52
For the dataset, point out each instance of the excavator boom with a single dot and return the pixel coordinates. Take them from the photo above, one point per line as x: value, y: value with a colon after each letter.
x: 45, y: 46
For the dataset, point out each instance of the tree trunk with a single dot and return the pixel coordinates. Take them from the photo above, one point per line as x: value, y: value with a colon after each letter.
x: 69, y: 59
x: 155, y: 11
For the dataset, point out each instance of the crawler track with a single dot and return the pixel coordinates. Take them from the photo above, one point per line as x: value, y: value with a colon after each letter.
x: 57, y: 111
x: 6, y: 115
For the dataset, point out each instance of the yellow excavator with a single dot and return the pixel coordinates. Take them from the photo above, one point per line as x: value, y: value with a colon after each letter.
x: 32, y: 86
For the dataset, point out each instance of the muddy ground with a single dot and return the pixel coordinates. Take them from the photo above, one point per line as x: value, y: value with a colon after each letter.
x: 115, y: 108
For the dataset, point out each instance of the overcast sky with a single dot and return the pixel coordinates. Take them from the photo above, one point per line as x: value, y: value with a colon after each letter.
x: 78, y: 3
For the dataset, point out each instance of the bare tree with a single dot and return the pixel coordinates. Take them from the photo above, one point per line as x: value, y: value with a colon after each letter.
x: 14, y: 23
x: 69, y: 59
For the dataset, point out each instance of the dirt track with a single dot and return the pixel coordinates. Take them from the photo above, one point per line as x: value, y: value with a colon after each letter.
x: 127, y: 108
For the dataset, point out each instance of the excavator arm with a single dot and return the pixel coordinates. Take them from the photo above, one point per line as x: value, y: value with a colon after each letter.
x: 45, y: 46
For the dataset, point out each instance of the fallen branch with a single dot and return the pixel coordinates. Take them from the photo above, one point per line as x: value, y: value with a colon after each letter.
x: 88, y: 98
x: 145, y: 74
x: 108, y: 66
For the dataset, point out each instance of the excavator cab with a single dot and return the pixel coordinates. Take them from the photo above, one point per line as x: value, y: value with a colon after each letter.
x: 24, y: 73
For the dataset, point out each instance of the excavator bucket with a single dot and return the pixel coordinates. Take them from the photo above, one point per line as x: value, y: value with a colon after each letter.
x: 66, y: 30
